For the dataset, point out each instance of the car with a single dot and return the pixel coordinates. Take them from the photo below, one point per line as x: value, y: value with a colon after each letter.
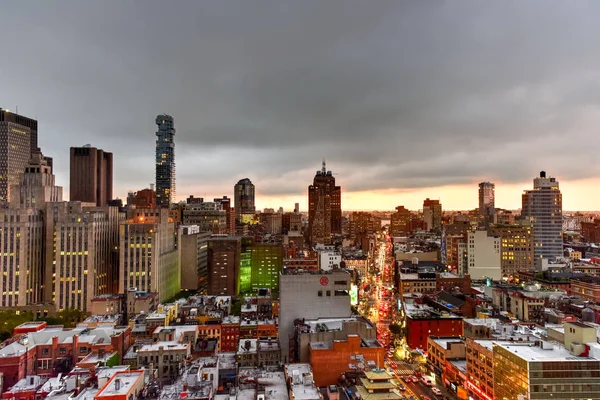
x: 415, y: 379
x: 425, y: 398
x: 426, y: 381
x: 401, y: 387
x: 436, y: 391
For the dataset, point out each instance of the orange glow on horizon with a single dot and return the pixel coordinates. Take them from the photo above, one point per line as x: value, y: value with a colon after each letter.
x: 580, y: 195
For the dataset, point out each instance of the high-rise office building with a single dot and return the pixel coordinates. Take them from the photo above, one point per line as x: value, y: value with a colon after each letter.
x: 542, y: 207
x: 16, y: 138
x: 21, y: 269
x: 486, y: 202
x: 36, y: 187
x: 91, y: 175
x: 516, y: 245
x: 264, y: 262
x: 432, y: 214
x: 324, y: 208
x: 400, y: 222
x: 224, y: 265
x: 84, y: 260
x: 207, y: 215
x: 165, y: 161
x: 245, y: 208
x: 58, y: 252
x: 149, y: 259
x: 193, y: 258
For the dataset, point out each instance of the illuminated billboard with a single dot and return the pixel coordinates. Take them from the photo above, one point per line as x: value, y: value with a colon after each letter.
x: 353, y: 295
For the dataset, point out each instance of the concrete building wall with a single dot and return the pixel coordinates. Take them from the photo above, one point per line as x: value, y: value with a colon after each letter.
x: 484, y: 256
x: 21, y: 249
x: 193, y: 247
x: 310, y: 296
x: 148, y: 259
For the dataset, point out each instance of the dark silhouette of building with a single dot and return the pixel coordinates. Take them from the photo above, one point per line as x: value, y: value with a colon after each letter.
x: 486, y: 202
x: 244, y: 200
x: 324, y: 208
x: 223, y: 265
x: 91, y: 175
x: 165, y: 160
x: 400, y: 222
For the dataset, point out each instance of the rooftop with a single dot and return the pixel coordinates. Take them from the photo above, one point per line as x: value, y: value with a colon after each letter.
x: 167, y: 346
x: 549, y: 352
x: 107, y: 318
x: 488, y: 344
x: 332, y: 324
x: 247, y: 346
x: 28, y: 383
x: 268, y: 345
x: 421, y: 311
x: 120, y: 384
x: 443, y: 342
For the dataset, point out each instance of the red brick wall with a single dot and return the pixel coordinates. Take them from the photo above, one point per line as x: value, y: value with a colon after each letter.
x: 419, y: 330
x: 329, y: 364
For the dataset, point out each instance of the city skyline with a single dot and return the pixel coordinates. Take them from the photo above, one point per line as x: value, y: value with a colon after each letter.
x: 389, y: 94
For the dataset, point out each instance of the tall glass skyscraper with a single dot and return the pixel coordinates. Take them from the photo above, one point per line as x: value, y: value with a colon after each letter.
x: 165, y: 160
x: 542, y: 206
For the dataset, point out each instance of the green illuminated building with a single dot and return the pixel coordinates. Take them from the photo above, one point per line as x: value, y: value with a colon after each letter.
x: 260, y: 265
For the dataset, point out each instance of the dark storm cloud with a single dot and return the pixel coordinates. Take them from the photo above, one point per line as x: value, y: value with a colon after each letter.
x: 394, y: 94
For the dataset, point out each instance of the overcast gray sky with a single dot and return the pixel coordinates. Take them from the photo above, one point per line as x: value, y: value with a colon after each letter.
x: 394, y: 94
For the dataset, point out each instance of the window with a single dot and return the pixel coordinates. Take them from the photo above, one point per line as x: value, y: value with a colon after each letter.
x: 329, y: 293
x: 320, y: 293
x: 44, y: 352
x: 63, y: 350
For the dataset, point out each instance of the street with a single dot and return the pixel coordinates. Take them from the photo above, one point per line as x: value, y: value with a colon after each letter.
x: 378, y: 304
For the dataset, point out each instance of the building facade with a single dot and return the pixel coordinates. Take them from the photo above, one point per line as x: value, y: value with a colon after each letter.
x: 542, y: 207
x: 516, y: 247
x: 224, y: 265
x: 193, y: 258
x: 310, y: 296
x: 400, y: 222
x: 486, y: 202
x: 208, y: 216
x: 484, y: 256
x: 149, y: 259
x: 91, y: 175
x: 165, y: 161
x: 324, y: 208
x: 18, y: 135
x: 244, y: 206
x: 432, y: 214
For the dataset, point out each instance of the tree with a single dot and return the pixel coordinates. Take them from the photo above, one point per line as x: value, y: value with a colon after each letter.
x: 10, y: 320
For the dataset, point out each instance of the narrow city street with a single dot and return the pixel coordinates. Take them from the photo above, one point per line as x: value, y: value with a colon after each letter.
x: 379, y: 305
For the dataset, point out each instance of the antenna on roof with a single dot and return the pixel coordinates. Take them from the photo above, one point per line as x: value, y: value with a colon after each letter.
x: 324, y: 168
